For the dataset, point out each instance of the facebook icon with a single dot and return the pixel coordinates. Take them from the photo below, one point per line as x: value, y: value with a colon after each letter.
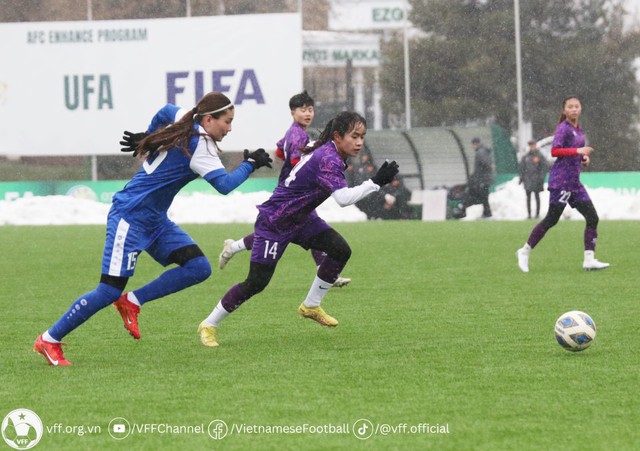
x: 217, y: 429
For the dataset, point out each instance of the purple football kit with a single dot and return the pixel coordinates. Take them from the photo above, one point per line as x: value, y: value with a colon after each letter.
x: 292, y: 143
x: 289, y: 216
x: 564, y: 177
x: 565, y: 188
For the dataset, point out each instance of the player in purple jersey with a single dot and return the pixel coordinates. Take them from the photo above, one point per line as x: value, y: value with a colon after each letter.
x: 288, y: 149
x: 565, y: 187
x: 180, y: 147
x: 288, y: 216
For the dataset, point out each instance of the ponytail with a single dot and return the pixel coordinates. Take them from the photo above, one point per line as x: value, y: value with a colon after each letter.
x: 325, y: 136
x: 179, y: 134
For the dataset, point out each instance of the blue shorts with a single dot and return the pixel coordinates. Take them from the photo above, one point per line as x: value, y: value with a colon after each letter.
x: 125, y: 241
x: 573, y: 198
x: 269, y: 245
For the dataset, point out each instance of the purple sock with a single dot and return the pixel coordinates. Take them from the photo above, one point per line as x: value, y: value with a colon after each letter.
x: 248, y: 241
x: 330, y: 269
x: 318, y: 256
x: 590, y: 238
x: 233, y: 298
x: 537, y: 234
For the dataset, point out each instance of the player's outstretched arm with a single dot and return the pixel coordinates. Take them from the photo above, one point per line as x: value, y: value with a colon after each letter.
x: 131, y: 140
x: 386, y: 173
x: 258, y: 158
x: 349, y: 196
x: 224, y: 182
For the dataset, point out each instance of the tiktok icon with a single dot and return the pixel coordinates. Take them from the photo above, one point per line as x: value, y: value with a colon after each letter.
x: 363, y: 429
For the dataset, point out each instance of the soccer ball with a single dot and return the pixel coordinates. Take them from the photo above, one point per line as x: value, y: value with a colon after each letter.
x: 575, y: 331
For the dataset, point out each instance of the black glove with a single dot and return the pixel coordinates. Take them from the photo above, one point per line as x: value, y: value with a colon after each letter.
x: 258, y: 158
x: 130, y: 141
x: 386, y: 173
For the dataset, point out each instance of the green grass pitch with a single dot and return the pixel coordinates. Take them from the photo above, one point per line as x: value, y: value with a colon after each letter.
x: 438, y: 327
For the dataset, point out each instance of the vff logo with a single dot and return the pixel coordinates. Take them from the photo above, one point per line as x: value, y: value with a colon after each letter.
x: 22, y: 429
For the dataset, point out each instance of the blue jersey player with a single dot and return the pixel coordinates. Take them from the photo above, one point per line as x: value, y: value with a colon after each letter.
x: 289, y: 150
x: 565, y: 187
x: 180, y: 146
x: 288, y: 216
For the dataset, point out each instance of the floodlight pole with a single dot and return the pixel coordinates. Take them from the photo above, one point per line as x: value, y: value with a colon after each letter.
x: 516, y: 12
x: 407, y: 76
x: 94, y: 158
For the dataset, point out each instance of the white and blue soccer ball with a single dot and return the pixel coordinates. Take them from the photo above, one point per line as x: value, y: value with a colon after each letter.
x: 575, y: 331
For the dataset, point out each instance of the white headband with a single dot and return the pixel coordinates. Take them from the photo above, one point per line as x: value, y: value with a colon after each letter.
x: 213, y: 112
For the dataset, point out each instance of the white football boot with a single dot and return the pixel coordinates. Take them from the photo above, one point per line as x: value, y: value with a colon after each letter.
x: 523, y: 259
x: 590, y: 262
x: 226, y: 254
x: 341, y: 282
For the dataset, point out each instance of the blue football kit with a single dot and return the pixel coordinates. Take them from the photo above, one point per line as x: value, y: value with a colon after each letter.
x: 138, y: 221
x: 138, y: 218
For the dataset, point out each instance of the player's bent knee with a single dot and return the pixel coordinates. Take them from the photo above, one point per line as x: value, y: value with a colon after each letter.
x: 119, y: 283
x: 199, y: 269
x: 183, y: 255
x: 550, y: 222
x: 592, y: 219
x: 341, y: 252
x: 258, y: 278
x: 553, y: 216
x: 345, y: 252
x: 338, y: 249
x: 254, y: 285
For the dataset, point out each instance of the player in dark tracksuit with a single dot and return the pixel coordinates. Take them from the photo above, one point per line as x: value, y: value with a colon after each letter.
x: 533, y: 170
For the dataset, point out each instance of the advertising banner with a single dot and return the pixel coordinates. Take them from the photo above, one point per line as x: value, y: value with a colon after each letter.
x: 368, y: 14
x: 71, y: 88
x: 333, y: 49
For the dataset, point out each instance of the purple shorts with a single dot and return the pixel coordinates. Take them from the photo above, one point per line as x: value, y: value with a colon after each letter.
x: 269, y: 245
x: 564, y: 197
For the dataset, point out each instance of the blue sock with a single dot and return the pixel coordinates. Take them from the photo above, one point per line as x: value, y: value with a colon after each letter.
x: 175, y: 279
x: 84, y: 308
